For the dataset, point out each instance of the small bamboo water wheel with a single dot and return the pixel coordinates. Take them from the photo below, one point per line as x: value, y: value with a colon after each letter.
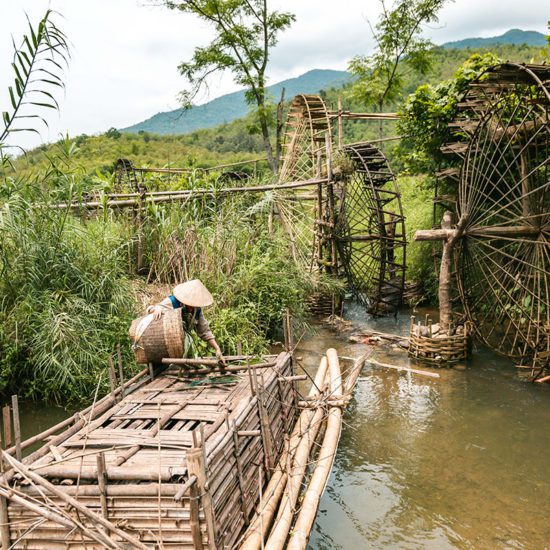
x: 125, y: 176
x: 371, y: 231
x: 503, y: 208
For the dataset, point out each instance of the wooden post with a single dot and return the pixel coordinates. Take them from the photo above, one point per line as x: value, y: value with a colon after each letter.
x: 331, y: 208
x: 449, y: 238
x: 240, y: 476
x: 112, y: 377
x: 16, y: 426
x: 139, y: 228
x: 102, y: 484
x: 196, y: 467
x: 120, y: 370
x: 6, y: 419
x: 194, y: 517
x: 5, y: 539
x: 267, y: 437
x: 340, y: 127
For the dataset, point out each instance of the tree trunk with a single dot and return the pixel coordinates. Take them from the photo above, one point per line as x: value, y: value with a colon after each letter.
x: 280, y: 128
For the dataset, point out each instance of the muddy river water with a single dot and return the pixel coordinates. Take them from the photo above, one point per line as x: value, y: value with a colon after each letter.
x: 462, y: 461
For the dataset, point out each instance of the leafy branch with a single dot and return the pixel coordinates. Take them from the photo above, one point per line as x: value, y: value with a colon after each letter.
x: 245, y: 30
x: 38, y: 65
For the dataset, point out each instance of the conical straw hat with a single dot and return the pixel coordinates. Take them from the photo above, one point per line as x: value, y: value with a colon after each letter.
x: 193, y: 293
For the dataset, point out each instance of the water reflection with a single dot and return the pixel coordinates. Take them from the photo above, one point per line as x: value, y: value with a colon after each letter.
x: 455, y: 462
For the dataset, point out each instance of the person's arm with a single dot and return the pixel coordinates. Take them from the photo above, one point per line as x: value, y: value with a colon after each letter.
x: 204, y: 333
x: 158, y: 309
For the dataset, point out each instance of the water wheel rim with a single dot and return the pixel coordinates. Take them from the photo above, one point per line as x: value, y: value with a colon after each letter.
x: 504, y: 278
x: 304, y: 157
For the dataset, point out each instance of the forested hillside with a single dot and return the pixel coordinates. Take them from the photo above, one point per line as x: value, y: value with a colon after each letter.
x: 239, y: 139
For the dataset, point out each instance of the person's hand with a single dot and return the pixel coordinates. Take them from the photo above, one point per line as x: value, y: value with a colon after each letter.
x: 220, y: 358
x: 156, y: 311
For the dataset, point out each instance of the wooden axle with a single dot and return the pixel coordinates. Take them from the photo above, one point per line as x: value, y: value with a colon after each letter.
x: 490, y: 231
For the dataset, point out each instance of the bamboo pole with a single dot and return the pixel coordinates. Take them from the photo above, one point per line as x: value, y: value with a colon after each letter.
x: 16, y: 425
x: 404, y: 369
x: 99, y: 409
x: 102, y: 484
x: 4, y: 518
x: 6, y: 420
x: 279, y: 533
x: 92, y: 516
x: 194, y: 517
x: 310, y: 504
x: 256, y: 532
x: 65, y: 520
x: 154, y: 197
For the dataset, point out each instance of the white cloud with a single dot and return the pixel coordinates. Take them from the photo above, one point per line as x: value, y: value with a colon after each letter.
x: 125, y: 53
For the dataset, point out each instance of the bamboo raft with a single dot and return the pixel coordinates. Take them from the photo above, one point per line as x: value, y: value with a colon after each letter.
x: 191, y: 458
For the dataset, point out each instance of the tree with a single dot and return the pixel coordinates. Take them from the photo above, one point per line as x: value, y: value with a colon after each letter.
x: 245, y: 30
x: 37, y: 65
x: 400, y: 49
x: 425, y: 115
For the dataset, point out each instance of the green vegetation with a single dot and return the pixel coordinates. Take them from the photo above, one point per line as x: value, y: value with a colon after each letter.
x: 245, y: 31
x: 230, y: 107
x: 400, y: 52
x: 68, y: 287
x: 68, y: 284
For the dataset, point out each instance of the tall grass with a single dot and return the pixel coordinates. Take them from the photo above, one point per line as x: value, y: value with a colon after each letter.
x: 64, y: 300
x: 68, y: 283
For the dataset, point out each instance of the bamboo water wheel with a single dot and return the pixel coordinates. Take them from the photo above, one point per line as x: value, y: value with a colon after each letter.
x: 354, y: 226
x: 306, y: 139
x: 503, y: 208
x: 125, y: 176
x: 371, y: 231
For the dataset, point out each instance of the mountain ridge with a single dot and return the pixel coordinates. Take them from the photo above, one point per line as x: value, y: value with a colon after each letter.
x: 230, y: 107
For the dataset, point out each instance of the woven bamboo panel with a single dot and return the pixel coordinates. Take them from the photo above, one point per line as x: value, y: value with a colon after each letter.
x: 440, y: 349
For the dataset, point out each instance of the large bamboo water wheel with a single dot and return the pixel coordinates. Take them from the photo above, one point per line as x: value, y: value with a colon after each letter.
x: 371, y: 231
x: 306, y: 138
x: 503, y: 208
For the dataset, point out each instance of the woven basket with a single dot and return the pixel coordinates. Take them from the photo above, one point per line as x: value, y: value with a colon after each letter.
x: 448, y: 349
x: 163, y: 338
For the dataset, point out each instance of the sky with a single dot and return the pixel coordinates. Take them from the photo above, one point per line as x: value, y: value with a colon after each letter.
x: 125, y: 53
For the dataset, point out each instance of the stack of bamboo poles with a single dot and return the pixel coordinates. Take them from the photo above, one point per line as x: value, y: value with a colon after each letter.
x: 288, y: 504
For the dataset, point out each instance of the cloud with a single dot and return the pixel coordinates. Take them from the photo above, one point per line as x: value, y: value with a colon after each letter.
x: 126, y: 53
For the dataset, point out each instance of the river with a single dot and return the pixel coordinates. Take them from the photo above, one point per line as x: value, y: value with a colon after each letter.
x: 455, y: 462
